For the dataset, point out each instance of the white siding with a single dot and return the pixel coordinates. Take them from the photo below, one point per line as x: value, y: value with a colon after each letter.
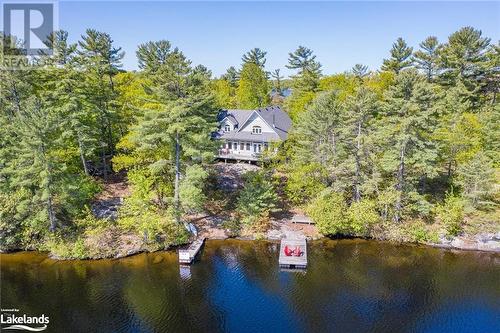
x: 227, y: 122
x: 256, y: 120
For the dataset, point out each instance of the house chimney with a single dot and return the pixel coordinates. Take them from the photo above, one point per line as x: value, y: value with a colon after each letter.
x: 274, y: 124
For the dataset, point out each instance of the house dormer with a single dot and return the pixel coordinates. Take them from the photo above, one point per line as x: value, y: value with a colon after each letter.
x: 228, y: 124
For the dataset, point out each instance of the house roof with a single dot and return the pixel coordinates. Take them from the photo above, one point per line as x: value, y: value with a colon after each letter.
x: 276, y: 118
x: 248, y: 136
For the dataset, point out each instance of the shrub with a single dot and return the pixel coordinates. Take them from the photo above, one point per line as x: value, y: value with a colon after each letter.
x: 305, y: 182
x: 191, y: 189
x: 258, y: 195
x: 362, y: 215
x: 417, y: 232
x: 451, y: 214
x: 153, y: 224
x: 328, y: 211
x: 64, y: 249
x: 233, y: 226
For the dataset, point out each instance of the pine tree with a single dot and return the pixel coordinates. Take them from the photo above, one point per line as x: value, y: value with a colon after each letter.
x: 255, y: 56
x: 153, y: 54
x: 464, y: 58
x: 253, y: 87
x: 361, y: 109
x: 278, y: 89
x: 101, y: 61
x: 320, y: 130
x: 63, y: 85
x: 409, y: 119
x: 63, y: 52
x: 400, y: 57
x: 427, y: 58
x: 177, y: 130
x: 34, y: 167
x: 492, y: 84
x: 232, y: 76
x: 360, y: 71
x: 309, y: 70
x: 477, y: 179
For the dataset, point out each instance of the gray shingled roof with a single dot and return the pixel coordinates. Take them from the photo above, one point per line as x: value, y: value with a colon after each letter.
x: 272, y: 115
x: 248, y: 136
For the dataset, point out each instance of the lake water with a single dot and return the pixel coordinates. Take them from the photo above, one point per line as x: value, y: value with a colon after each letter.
x: 349, y: 286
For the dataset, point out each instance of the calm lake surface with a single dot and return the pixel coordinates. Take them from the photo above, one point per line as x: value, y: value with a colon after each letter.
x: 350, y: 286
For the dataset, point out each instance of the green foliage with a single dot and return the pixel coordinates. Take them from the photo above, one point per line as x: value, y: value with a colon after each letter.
x: 388, y: 143
x: 343, y: 85
x: 410, y: 117
x: 451, y: 214
x: 477, y: 179
x: 297, y: 103
x: 64, y: 249
x: 253, y: 87
x: 255, y: 56
x: 305, y: 182
x: 400, y: 57
x: 225, y: 94
x: 258, y: 195
x: 426, y: 59
x: 192, y: 194
x: 418, y: 232
x: 309, y: 69
x: 152, y: 224
x: 362, y: 216
x: 329, y: 212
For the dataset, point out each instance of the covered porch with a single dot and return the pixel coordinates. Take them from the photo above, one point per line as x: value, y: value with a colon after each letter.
x: 242, y: 150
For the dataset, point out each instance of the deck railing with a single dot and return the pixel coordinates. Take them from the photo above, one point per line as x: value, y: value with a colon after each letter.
x: 236, y: 154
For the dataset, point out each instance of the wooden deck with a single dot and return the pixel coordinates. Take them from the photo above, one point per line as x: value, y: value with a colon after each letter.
x: 293, y: 261
x: 187, y: 256
x: 297, y: 218
x: 240, y: 157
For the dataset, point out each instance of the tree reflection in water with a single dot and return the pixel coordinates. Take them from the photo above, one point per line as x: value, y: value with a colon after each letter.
x: 350, y: 285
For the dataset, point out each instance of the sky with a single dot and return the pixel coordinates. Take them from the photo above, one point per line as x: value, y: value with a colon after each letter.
x: 216, y: 34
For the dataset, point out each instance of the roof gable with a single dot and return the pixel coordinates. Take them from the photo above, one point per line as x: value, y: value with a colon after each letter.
x: 273, y: 116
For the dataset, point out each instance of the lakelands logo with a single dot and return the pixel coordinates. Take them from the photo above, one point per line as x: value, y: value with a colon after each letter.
x: 13, y: 321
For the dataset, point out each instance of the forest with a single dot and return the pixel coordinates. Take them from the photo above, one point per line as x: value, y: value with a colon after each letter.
x: 405, y: 152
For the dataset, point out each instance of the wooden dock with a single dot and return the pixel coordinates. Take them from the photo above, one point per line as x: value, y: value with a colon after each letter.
x: 297, y: 218
x: 187, y: 256
x: 293, y: 253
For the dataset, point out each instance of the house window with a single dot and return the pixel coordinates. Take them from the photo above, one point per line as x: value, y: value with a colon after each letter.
x: 256, y: 130
x: 248, y: 145
x: 235, y: 146
x: 227, y: 128
x: 242, y: 146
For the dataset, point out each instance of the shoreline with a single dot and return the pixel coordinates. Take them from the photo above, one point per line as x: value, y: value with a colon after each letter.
x: 445, y: 246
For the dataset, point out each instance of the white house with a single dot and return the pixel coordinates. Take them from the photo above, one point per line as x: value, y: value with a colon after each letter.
x: 245, y: 134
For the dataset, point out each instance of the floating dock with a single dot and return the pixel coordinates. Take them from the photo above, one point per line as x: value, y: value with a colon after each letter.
x: 187, y: 256
x: 293, y: 253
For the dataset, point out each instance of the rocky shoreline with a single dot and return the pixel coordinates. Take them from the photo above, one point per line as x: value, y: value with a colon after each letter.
x: 486, y: 242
